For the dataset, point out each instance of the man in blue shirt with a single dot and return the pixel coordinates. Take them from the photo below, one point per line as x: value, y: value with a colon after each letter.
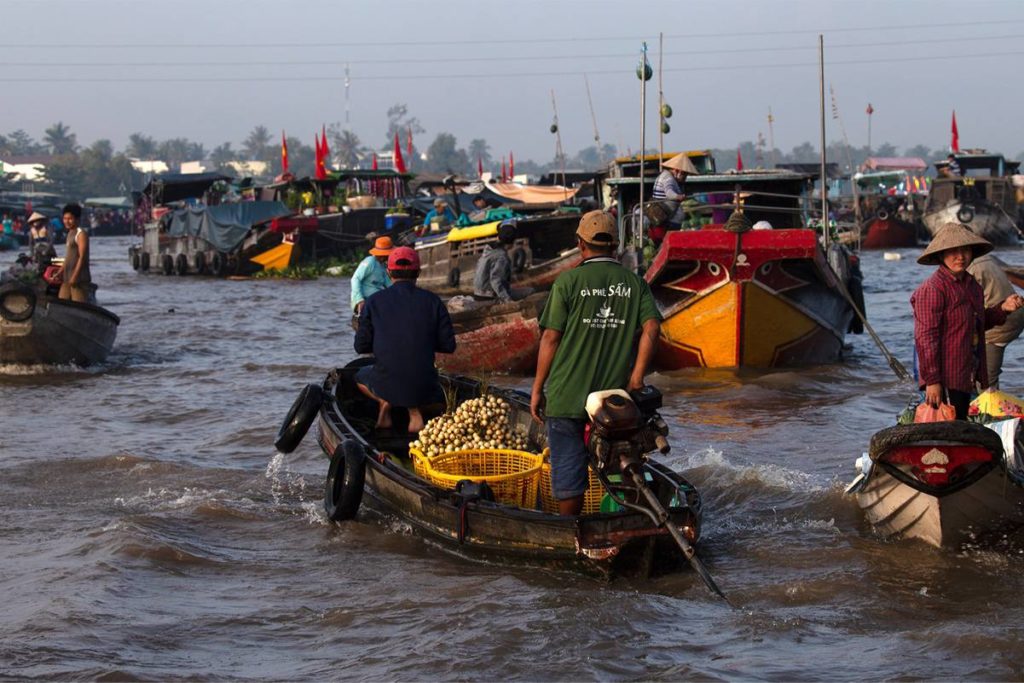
x: 441, y: 214
x: 371, y: 276
x: 403, y: 326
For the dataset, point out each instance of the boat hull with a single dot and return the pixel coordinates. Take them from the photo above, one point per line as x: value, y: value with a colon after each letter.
x: 496, y: 338
x: 889, y: 233
x: 989, y: 222
x: 601, y: 544
x: 897, y: 510
x: 761, y: 299
x: 59, y: 332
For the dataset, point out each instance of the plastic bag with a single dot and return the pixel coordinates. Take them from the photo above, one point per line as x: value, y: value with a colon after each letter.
x: 926, y: 413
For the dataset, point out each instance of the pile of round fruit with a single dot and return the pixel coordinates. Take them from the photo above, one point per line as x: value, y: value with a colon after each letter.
x: 479, y: 423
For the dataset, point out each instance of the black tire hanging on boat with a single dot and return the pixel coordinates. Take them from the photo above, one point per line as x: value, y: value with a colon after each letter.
x: 300, y: 417
x: 136, y: 261
x: 167, y: 264
x: 454, y: 276
x: 199, y: 262
x: 181, y: 264
x: 882, y: 215
x: 218, y: 264
x: 518, y: 258
x: 958, y: 431
x: 965, y: 214
x: 22, y: 313
x: 144, y: 261
x: 343, y: 490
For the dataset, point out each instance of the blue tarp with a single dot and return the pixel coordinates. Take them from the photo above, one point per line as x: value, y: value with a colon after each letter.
x: 226, y: 225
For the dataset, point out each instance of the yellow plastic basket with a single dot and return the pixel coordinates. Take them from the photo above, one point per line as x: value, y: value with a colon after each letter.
x: 512, y: 475
x: 591, y: 499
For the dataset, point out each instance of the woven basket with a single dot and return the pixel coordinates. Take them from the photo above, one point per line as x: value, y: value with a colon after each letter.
x: 512, y: 475
x: 362, y: 201
x: 591, y: 499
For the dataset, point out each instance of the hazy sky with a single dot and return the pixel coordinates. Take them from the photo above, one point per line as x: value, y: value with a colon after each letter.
x: 211, y: 70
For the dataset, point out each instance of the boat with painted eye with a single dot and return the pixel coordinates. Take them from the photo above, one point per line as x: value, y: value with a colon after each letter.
x: 375, y: 467
x: 944, y: 483
x: 37, y: 328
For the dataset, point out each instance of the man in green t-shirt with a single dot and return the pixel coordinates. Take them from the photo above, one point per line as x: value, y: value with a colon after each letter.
x: 591, y: 323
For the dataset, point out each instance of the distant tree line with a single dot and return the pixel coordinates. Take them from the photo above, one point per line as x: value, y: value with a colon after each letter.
x: 101, y: 170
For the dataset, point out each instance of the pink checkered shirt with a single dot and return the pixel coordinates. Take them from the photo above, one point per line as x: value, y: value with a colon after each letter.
x: 950, y: 320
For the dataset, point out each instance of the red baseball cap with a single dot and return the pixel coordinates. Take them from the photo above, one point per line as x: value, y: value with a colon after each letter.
x: 403, y: 258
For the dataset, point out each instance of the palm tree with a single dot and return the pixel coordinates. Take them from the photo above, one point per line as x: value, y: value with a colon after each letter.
x: 140, y: 146
x: 60, y: 139
x: 347, y: 147
x: 221, y: 155
x: 479, y: 150
x: 255, y: 146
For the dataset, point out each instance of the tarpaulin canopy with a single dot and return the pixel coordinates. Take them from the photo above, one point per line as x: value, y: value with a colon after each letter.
x: 224, y: 226
x: 532, y: 194
x: 170, y: 187
x: 895, y: 164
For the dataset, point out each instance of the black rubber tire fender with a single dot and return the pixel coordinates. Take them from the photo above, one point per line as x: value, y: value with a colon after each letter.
x: 136, y: 261
x: 181, y: 264
x: 167, y: 264
x: 199, y: 262
x: 882, y: 215
x: 17, y: 316
x: 218, y: 264
x: 454, y: 276
x: 144, y: 261
x: 965, y: 214
x: 300, y: 416
x: 958, y: 431
x: 343, y: 489
x: 518, y: 258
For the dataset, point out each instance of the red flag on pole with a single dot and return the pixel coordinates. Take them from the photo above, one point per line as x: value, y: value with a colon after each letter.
x: 870, y: 110
x: 480, y: 167
x: 511, y: 166
x: 325, y: 151
x: 319, y: 172
x: 739, y: 160
x: 374, y: 167
x: 503, y: 174
x: 284, y: 154
x: 399, y: 162
x: 955, y: 142
x: 408, y: 142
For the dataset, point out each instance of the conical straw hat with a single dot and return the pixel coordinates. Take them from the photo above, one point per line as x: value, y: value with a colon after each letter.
x: 952, y: 236
x: 681, y: 162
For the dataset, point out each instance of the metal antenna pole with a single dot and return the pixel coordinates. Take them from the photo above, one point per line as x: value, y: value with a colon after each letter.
x: 771, y: 135
x: 348, y: 82
x: 638, y: 228
x: 593, y: 119
x: 661, y: 103
x: 559, y: 154
x: 821, y: 93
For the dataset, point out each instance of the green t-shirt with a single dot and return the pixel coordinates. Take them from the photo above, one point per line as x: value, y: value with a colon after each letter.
x: 599, y: 307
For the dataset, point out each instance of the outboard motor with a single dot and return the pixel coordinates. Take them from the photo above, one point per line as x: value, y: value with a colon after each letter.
x: 624, y: 428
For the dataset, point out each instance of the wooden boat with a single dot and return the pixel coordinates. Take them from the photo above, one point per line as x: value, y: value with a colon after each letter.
x: 890, y: 221
x: 496, y: 337
x: 982, y: 199
x: 375, y: 466
x: 37, y: 328
x: 545, y: 246
x: 944, y: 483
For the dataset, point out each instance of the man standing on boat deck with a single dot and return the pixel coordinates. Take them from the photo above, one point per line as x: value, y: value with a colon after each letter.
x: 589, y: 343
x: 77, y: 281
x: 403, y: 326
x: 988, y: 271
x: 493, y: 275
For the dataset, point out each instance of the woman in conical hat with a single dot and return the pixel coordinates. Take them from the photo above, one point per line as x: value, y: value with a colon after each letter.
x: 668, y: 192
x: 950, y: 319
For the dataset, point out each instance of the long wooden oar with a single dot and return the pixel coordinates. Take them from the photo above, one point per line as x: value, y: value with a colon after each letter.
x: 894, y: 363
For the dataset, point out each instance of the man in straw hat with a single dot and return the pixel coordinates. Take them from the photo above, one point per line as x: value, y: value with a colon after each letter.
x: 668, y: 186
x: 950, y: 320
x: 440, y: 216
x: 590, y: 323
x: 371, y: 275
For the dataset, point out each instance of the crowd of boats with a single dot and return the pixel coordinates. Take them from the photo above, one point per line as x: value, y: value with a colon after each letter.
x: 782, y: 287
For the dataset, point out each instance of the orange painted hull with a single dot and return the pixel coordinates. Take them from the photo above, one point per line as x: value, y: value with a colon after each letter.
x: 770, y: 301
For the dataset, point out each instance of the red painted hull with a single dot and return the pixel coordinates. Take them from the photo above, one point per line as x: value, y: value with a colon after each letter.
x: 888, y: 234
x: 499, y: 338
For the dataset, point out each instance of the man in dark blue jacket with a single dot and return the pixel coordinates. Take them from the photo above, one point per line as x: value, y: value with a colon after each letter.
x: 403, y: 326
